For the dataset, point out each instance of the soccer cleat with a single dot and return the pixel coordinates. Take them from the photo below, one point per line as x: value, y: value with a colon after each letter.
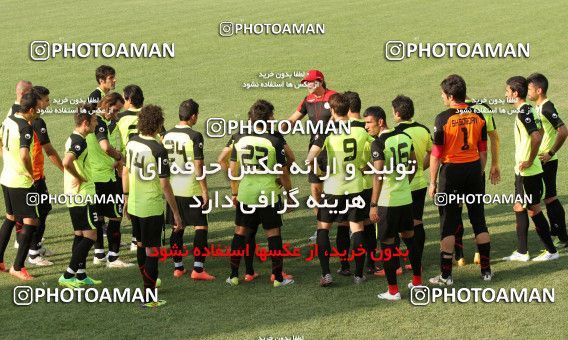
x: 69, y: 283
x: 232, y: 281
x: 388, y: 296
x: 3, y: 267
x: 285, y: 282
x: 440, y: 281
x: 326, y: 281
x: 250, y: 278
x: 203, y: 276
x: 381, y: 272
x: 21, y: 274
x: 461, y: 262
x: 118, y: 263
x: 476, y: 258
x: 89, y: 281
x: 546, y: 256
x: 516, y: 256
x: 133, y: 247
x: 359, y: 279
x: 313, y: 238
x: 43, y: 251
x: 487, y: 276
x: 344, y: 272
x: 154, y: 304
x: 410, y: 285
x: 179, y: 272
x: 284, y: 275
x: 97, y: 261
x: 40, y: 262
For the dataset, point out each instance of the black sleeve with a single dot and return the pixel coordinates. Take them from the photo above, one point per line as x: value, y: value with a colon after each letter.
x: 162, y: 131
x: 40, y: 129
x: 439, y: 129
x: 549, y: 111
x: 95, y: 96
x: 378, y: 149
x: 279, y: 149
x: 231, y: 142
x: 527, y: 119
x: 101, y: 131
x: 78, y: 146
x: 198, y: 146
x: 26, y: 136
x: 161, y: 156
x: 302, y: 108
x: 319, y: 140
x: 234, y: 154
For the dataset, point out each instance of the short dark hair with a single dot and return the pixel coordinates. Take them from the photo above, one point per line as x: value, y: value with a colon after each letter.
x: 354, y: 101
x: 454, y: 86
x: 375, y: 111
x: 188, y: 108
x: 150, y: 120
x: 84, y: 113
x: 134, y: 94
x: 538, y: 80
x: 404, y: 106
x: 103, y: 72
x: 519, y: 84
x: 110, y: 99
x: 29, y: 101
x: 41, y: 91
x: 339, y: 103
x: 261, y: 110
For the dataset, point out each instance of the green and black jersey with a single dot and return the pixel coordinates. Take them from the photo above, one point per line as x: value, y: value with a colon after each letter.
x: 550, y: 123
x: 347, y: 150
x: 249, y: 150
x: 526, y: 123
x: 184, y: 145
x: 16, y: 133
x: 102, y: 165
x: 393, y: 147
x: 486, y: 111
x: 77, y: 145
x: 147, y: 162
x: 422, y: 143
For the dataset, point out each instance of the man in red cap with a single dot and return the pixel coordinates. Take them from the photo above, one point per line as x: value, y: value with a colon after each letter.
x: 315, y: 105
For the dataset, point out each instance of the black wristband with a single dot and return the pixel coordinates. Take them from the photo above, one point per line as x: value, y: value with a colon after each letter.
x: 374, y: 205
x: 551, y: 153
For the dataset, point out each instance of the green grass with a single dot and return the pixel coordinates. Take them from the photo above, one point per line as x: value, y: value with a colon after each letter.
x: 211, y: 70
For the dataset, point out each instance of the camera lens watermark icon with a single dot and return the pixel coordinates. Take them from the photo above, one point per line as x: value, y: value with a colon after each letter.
x: 215, y: 128
x: 394, y: 50
x: 39, y: 50
x: 226, y: 29
x: 23, y: 295
x: 441, y: 199
x: 32, y: 199
x: 420, y: 295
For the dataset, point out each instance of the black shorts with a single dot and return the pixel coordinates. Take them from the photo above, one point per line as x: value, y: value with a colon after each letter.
x: 461, y: 179
x: 394, y: 220
x: 190, y: 216
x: 267, y: 216
x: 330, y: 215
x: 19, y: 201
x: 109, y: 208
x: 367, y: 195
x: 549, y: 177
x: 148, y: 230
x: 530, y: 186
x: 83, y: 217
x: 44, y: 207
x: 313, y: 178
x: 418, y: 199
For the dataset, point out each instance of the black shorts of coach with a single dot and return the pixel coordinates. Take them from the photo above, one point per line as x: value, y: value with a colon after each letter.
x: 267, y: 216
x: 148, y: 230
x: 461, y: 179
x: 83, y: 217
x: 112, y: 208
x: 331, y: 215
x: 394, y: 220
x: 531, y: 186
x: 549, y: 169
x: 190, y: 216
x: 19, y: 202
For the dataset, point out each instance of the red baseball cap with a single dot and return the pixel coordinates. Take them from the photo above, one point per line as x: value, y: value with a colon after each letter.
x: 312, y: 75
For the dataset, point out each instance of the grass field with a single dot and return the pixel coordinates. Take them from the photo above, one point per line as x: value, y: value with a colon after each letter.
x: 211, y: 69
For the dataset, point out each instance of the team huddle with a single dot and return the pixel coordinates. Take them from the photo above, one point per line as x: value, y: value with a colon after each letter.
x: 120, y: 147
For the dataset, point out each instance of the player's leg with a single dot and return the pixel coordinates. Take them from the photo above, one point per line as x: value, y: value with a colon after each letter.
x: 521, y: 225
x: 200, y: 242
x: 418, y: 200
x: 150, y: 240
x: 370, y: 230
x: 272, y: 223
x: 29, y: 216
x: 250, y: 274
x: 6, y: 229
x: 554, y: 209
x: 387, y: 229
x: 37, y: 249
x: 533, y: 186
x: 342, y: 242
x: 316, y: 190
x: 244, y: 223
x: 176, y: 237
x: 325, y: 218
x: 458, y: 251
